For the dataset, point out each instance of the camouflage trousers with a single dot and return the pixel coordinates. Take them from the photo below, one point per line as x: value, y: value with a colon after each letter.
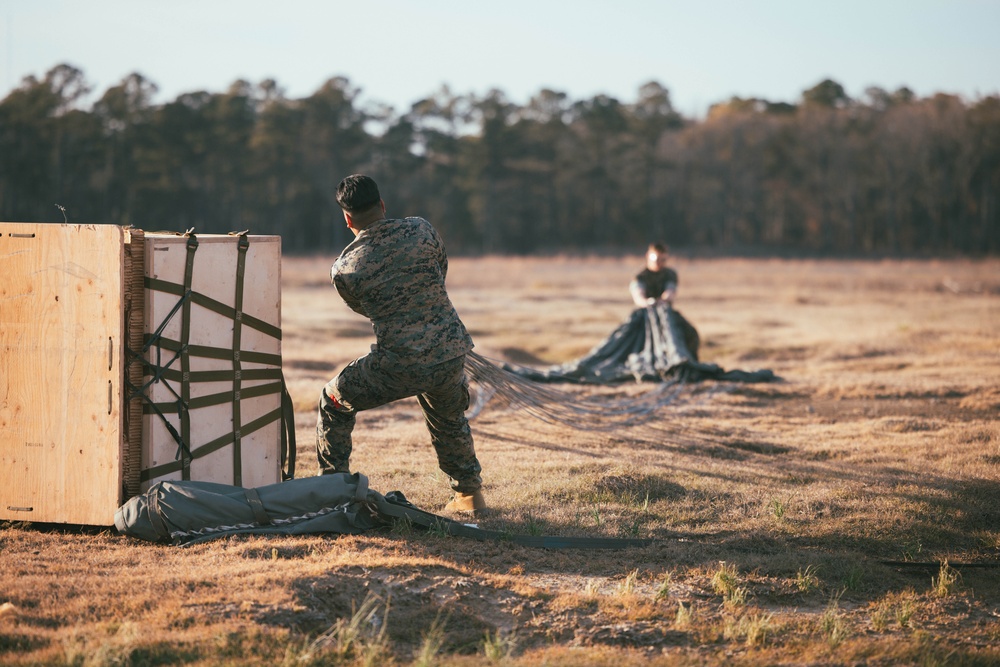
x: 442, y: 391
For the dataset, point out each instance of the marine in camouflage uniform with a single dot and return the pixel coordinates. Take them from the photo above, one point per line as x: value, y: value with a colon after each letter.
x: 394, y: 274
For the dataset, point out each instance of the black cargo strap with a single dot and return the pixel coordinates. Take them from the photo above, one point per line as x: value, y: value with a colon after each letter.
x: 216, y: 376
x: 259, y: 513
x: 210, y: 352
x: 241, y: 258
x: 184, y: 411
x: 154, y: 366
x: 182, y: 447
x: 396, y: 506
x: 156, y: 514
x: 157, y: 372
x: 361, y: 490
x: 287, y: 435
x: 212, y: 446
x: 211, y: 304
x: 936, y: 565
x: 215, y: 399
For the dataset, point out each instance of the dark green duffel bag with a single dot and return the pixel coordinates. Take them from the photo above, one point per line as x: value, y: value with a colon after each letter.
x: 185, y: 511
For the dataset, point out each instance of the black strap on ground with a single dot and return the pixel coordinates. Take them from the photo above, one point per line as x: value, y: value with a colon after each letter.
x: 395, y: 505
x: 936, y: 565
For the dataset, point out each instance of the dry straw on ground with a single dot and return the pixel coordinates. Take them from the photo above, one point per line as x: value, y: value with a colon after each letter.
x: 774, y: 509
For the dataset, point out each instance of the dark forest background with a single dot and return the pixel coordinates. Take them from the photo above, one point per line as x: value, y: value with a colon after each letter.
x: 889, y: 174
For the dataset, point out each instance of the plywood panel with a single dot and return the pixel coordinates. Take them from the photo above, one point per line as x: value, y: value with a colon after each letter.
x: 61, y: 342
x: 214, y: 268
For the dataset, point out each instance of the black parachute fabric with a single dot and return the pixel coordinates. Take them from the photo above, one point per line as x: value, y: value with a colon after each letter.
x: 652, y: 345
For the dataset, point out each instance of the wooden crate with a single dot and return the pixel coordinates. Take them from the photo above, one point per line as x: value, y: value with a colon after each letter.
x: 94, y: 359
x: 229, y: 351
x: 65, y: 450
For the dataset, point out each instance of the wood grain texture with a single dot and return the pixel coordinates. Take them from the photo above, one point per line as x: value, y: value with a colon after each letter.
x: 61, y: 345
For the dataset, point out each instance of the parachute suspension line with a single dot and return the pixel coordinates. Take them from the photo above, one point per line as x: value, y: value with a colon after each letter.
x: 553, y: 406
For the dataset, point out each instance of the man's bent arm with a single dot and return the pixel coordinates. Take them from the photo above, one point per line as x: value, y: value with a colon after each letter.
x: 352, y: 302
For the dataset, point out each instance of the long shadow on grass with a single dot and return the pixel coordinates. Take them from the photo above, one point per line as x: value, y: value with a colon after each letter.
x: 853, y: 511
x: 874, y: 511
x: 830, y: 508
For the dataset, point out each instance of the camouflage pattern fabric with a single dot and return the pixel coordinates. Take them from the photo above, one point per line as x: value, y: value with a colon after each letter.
x: 442, y: 391
x: 394, y: 274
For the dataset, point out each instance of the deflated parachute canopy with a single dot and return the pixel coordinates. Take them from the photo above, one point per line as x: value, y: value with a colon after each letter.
x: 655, y: 344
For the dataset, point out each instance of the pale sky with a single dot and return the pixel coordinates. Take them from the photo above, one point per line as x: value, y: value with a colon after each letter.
x: 398, y: 51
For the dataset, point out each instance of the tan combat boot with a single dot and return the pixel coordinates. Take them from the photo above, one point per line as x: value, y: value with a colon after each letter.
x: 467, y: 502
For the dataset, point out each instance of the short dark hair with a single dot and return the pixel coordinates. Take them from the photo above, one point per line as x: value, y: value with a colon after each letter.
x: 358, y: 193
x: 659, y: 248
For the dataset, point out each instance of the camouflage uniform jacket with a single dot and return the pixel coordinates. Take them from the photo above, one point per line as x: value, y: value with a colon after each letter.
x: 393, y: 273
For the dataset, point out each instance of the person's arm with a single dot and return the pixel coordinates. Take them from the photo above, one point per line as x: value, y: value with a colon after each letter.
x: 669, y: 293
x: 441, y: 254
x: 638, y: 291
x: 345, y: 293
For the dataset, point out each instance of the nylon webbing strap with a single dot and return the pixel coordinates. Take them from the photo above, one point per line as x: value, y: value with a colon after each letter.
x: 214, y: 376
x: 155, y: 514
x: 217, y: 352
x: 213, y: 399
x: 287, y: 435
x: 185, y: 415
x: 150, y: 407
x: 158, y: 369
x: 211, y: 446
x: 932, y: 565
x: 211, y: 304
x: 451, y: 527
x: 361, y: 490
x: 241, y: 257
x: 259, y: 513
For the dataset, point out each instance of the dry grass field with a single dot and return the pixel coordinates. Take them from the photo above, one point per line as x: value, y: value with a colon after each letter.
x: 848, y: 514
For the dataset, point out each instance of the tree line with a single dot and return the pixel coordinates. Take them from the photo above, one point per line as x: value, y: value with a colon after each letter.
x: 888, y: 174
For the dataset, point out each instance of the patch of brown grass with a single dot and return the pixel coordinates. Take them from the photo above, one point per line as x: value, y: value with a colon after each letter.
x: 881, y: 444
